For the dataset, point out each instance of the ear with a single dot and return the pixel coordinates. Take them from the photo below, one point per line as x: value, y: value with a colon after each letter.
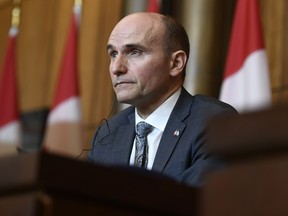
x: 178, y: 62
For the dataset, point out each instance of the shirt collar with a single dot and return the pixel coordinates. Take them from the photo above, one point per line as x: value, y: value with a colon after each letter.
x: 160, y: 116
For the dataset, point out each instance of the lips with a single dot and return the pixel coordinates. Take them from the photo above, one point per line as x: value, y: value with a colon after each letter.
x: 122, y: 83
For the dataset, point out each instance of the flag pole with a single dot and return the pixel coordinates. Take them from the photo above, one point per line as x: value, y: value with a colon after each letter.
x: 78, y: 2
x: 77, y: 11
x: 16, y: 12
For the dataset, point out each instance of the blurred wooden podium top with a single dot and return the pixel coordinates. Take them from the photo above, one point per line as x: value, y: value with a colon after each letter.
x: 254, y: 182
x: 46, y: 184
x: 262, y: 132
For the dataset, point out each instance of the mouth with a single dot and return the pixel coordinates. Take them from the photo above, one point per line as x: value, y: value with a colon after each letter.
x: 122, y: 83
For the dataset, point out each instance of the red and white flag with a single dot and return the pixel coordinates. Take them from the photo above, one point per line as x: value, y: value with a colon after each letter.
x: 246, y: 84
x: 10, y: 133
x: 154, y: 6
x: 64, y: 133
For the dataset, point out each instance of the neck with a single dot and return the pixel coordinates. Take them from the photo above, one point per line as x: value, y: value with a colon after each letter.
x: 145, y: 109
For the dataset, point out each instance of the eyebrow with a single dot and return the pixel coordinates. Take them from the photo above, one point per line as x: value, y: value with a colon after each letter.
x: 133, y: 45
x: 109, y: 46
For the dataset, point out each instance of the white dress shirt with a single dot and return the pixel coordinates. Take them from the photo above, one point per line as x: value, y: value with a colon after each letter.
x: 158, y: 119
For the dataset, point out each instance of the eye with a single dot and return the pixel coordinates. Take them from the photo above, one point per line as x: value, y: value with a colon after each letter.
x: 112, y: 53
x: 135, y: 52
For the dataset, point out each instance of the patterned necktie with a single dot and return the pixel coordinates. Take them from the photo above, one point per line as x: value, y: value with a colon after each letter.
x: 141, y: 153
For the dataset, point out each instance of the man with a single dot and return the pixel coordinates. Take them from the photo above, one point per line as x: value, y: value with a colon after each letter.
x: 148, y: 53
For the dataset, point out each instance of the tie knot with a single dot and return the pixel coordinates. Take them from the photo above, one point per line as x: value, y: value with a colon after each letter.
x: 143, y: 129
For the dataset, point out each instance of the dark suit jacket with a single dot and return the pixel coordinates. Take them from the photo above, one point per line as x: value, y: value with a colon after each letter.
x: 181, y: 157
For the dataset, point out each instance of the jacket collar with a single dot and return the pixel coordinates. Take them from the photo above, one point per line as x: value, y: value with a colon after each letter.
x: 125, y: 136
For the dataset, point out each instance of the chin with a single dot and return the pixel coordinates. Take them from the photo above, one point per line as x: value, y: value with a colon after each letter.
x: 128, y: 97
x: 122, y: 99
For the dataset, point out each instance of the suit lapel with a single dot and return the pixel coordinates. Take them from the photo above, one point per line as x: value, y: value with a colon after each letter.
x: 124, y: 141
x: 173, y: 131
x: 167, y: 144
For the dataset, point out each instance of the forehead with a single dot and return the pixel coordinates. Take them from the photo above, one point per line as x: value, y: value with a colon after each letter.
x: 135, y: 29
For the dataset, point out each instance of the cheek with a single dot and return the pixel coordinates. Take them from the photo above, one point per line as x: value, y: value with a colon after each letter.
x: 150, y: 72
x: 153, y: 78
x: 110, y: 70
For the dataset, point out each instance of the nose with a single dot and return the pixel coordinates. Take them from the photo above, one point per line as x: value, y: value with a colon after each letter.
x: 118, y: 65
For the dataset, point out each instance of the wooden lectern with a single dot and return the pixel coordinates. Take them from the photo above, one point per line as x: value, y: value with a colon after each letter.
x: 44, y: 184
x: 255, y: 181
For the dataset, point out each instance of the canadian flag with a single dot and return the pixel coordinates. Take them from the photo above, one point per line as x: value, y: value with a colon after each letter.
x: 246, y: 84
x: 10, y: 133
x: 64, y: 133
x: 154, y: 6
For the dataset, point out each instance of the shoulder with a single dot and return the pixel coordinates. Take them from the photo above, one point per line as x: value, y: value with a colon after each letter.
x: 203, y: 103
x: 123, y: 116
x: 205, y: 108
x: 108, y: 128
x: 211, y: 103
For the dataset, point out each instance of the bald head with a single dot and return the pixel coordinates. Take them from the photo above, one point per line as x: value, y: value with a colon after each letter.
x: 142, y: 17
x: 142, y: 26
x: 168, y: 31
